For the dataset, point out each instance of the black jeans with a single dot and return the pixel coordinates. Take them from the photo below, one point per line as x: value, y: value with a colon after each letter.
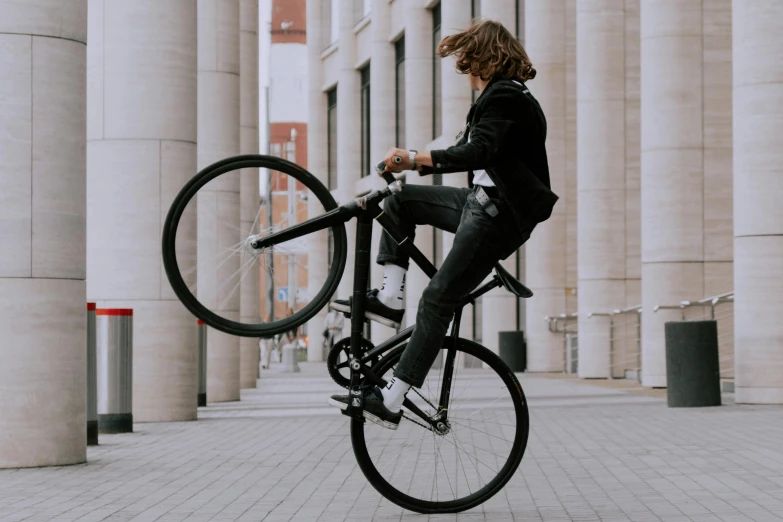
x: 480, y: 241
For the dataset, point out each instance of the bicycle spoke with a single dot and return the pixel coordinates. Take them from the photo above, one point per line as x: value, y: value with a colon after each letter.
x: 444, y: 468
x: 476, y: 457
x: 486, y: 433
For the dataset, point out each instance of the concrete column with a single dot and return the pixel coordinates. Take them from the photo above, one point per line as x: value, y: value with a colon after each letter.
x: 718, y: 154
x: 249, y: 197
x: 633, y: 129
x: 546, y: 270
x: 503, y: 11
x: 672, y: 169
x: 758, y: 213
x: 601, y: 166
x: 218, y: 203
x: 382, y: 123
x: 317, y: 144
x: 455, y: 89
x: 141, y: 150
x: 42, y: 229
x: 418, y: 129
x: 348, y: 131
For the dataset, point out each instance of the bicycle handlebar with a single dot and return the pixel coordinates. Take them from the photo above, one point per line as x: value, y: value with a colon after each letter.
x: 388, y: 177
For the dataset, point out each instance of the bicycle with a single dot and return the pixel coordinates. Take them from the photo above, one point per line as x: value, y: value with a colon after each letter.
x: 437, y: 435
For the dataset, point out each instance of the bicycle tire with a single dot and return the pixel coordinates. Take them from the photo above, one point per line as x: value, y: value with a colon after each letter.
x: 177, y: 281
x: 403, y: 500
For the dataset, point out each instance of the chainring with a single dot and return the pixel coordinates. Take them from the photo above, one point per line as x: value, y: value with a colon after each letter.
x: 338, y: 357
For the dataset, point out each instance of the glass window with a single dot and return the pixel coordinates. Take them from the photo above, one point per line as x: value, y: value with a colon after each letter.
x: 365, y: 126
x: 367, y: 7
x: 329, y: 250
x: 477, y: 319
x: 475, y: 9
x: 436, y: 75
x: 331, y: 116
x: 399, y: 78
x: 437, y: 247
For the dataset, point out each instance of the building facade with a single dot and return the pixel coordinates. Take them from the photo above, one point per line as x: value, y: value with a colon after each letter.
x: 643, y: 135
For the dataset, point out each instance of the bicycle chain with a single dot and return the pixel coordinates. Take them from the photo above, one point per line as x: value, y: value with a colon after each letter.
x: 419, y: 423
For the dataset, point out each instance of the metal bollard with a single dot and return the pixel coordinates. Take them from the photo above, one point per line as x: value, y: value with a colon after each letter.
x: 290, y: 359
x: 114, y: 360
x: 92, y: 379
x: 202, y: 362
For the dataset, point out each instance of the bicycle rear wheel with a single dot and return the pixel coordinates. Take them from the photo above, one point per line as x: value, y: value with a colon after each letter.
x: 426, y: 472
x: 207, y: 265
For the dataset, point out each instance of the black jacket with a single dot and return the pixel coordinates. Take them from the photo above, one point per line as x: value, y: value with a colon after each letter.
x: 507, y: 133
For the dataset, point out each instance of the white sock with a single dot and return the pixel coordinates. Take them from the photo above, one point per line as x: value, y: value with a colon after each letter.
x: 393, y: 286
x: 394, y: 394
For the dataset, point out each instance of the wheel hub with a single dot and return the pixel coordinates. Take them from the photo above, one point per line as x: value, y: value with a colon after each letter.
x: 442, y: 428
x: 252, y: 245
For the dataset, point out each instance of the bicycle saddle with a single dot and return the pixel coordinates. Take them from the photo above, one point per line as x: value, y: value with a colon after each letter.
x: 511, y: 284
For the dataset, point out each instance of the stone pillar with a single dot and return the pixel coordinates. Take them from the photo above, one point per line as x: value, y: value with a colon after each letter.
x: 418, y: 129
x: 218, y: 203
x: 672, y: 169
x: 718, y: 171
x: 601, y: 166
x: 382, y: 124
x: 633, y: 129
x: 317, y: 144
x: 546, y: 262
x: 42, y: 228
x: 503, y: 11
x: 455, y: 89
x: 758, y: 215
x: 141, y: 150
x: 348, y: 131
x: 249, y: 197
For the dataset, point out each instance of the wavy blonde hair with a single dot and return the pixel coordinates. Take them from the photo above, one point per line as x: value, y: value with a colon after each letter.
x: 488, y: 50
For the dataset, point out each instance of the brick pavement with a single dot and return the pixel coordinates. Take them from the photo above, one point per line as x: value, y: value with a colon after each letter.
x: 595, y: 453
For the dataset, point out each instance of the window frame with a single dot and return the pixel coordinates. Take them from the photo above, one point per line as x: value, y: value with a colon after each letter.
x: 331, y: 138
x: 437, y: 90
x: 364, y: 115
x: 399, y: 88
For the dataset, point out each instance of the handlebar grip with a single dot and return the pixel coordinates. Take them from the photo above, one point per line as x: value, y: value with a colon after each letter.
x: 388, y: 177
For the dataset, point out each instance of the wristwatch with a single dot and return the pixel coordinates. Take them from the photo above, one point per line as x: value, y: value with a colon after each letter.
x: 412, y: 154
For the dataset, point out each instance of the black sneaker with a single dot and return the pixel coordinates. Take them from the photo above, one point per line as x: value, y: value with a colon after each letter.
x: 374, y: 310
x: 374, y: 409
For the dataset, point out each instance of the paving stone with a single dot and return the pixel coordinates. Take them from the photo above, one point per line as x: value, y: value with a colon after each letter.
x: 594, y: 453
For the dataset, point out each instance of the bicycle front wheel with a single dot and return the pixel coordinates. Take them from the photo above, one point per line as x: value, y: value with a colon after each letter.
x: 428, y: 472
x: 219, y: 276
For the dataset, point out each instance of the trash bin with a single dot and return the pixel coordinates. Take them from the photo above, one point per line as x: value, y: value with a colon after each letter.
x: 692, y: 364
x: 202, y: 362
x: 513, y: 350
x: 114, y: 362
x: 92, y: 379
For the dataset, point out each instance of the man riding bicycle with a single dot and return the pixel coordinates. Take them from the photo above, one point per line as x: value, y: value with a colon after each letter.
x: 503, y: 149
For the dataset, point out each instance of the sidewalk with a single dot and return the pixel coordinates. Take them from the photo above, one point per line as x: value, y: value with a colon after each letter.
x: 595, y: 453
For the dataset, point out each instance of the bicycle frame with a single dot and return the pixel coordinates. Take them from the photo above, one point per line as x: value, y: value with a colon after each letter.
x: 366, y: 209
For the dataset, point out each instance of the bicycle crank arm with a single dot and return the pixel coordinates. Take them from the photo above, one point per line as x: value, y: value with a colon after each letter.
x: 331, y: 218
